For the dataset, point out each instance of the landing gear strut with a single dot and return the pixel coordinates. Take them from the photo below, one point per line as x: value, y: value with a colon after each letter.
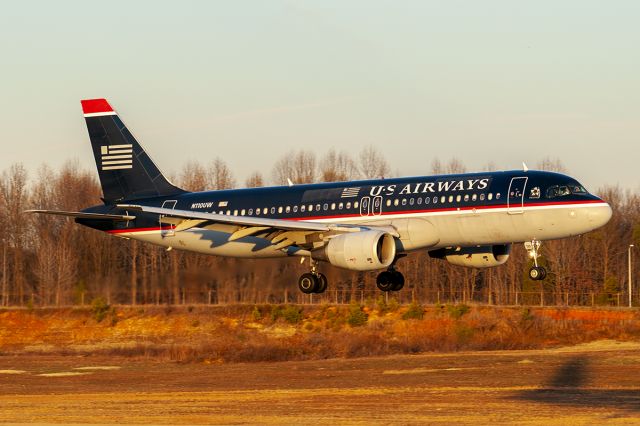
x: 536, y: 272
x: 312, y: 282
x: 390, y: 280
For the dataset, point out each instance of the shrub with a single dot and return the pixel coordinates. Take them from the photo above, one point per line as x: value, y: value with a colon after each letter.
x: 393, y: 304
x: 381, y: 304
x: 415, y: 311
x: 256, y: 314
x: 99, y: 308
x: 457, y: 311
x: 292, y: 314
x: 357, y: 317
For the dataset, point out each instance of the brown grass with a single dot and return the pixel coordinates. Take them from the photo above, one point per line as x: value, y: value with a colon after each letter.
x: 247, y: 333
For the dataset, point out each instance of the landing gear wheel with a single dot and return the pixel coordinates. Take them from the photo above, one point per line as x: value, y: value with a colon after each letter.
x: 322, y: 283
x: 398, y: 280
x: 385, y: 281
x: 308, y: 283
x: 537, y: 273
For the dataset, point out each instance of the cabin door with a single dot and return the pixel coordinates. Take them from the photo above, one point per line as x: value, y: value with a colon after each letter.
x: 515, y: 195
x: 166, y: 229
x: 365, y: 206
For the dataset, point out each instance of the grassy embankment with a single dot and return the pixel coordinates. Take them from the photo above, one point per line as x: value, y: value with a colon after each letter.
x: 247, y: 333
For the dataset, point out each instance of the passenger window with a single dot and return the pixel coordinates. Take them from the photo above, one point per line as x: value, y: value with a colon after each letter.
x: 466, y: 197
x: 481, y: 197
x: 280, y: 209
x: 273, y: 210
x: 265, y: 210
x: 396, y: 202
x: 426, y: 200
x: 310, y: 207
x: 458, y: 198
x: 355, y: 205
x: 250, y: 212
x: 450, y: 198
x: 333, y: 206
x: 325, y: 206
x: 389, y: 203
x: 498, y: 196
x: 242, y: 213
x: 228, y: 212
x: 235, y: 212
x: 419, y: 200
x: 348, y: 205
x: 287, y: 209
x: 340, y: 206
x: 411, y: 201
x: 303, y: 208
x: 295, y: 209
x: 404, y: 201
x: 474, y: 197
x: 435, y: 200
x: 490, y: 196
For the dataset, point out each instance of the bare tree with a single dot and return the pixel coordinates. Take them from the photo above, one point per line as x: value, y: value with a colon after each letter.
x: 337, y: 166
x: 299, y: 167
x: 372, y: 164
x: 221, y: 176
x: 194, y: 177
x: 255, y: 180
x: 552, y: 165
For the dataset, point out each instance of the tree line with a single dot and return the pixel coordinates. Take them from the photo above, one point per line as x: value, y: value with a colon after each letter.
x: 51, y: 261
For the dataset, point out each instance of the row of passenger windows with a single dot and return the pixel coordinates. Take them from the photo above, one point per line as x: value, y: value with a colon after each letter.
x: 355, y: 205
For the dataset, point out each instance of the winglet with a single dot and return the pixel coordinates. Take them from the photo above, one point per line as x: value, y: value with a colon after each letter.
x: 96, y: 107
x: 289, y: 182
x: 524, y: 167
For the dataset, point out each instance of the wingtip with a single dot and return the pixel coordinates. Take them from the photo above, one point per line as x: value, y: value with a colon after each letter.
x: 95, y: 106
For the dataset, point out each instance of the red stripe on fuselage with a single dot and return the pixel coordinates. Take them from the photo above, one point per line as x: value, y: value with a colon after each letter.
x: 358, y: 216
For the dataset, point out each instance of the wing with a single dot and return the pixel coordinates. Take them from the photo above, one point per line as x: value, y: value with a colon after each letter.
x: 282, y: 233
x: 83, y: 215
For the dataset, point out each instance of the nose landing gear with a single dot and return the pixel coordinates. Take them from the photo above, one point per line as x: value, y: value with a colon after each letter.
x: 536, y: 272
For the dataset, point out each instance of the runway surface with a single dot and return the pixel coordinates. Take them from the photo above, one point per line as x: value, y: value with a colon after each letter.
x: 586, y: 384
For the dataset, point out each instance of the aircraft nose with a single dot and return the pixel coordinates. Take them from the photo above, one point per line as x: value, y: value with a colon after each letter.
x: 600, y: 215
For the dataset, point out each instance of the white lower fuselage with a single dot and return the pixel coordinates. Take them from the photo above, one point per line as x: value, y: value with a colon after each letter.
x: 419, y: 230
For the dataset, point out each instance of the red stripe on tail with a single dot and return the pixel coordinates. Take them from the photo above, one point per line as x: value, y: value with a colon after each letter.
x: 92, y: 106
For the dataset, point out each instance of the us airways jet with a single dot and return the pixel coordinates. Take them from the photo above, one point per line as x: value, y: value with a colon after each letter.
x: 467, y: 219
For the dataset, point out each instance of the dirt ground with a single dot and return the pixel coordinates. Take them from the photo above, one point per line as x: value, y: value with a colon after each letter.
x: 588, y: 384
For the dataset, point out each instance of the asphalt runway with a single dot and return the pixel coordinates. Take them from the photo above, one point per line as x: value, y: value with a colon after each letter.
x: 596, y: 383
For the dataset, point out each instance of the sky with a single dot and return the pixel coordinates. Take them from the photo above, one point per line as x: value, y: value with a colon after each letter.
x: 489, y: 81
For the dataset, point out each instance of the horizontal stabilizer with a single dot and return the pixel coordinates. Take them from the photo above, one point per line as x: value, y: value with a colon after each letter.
x: 82, y: 215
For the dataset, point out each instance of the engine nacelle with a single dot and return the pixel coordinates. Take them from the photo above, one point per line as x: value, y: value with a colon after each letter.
x: 474, y: 257
x: 359, y: 251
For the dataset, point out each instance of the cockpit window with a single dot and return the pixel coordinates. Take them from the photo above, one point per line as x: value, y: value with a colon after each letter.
x: 564, y: 190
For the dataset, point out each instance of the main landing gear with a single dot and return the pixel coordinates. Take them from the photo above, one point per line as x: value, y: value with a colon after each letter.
x: 312, y: 282
x: 390, y: 280
x: 536, y: 272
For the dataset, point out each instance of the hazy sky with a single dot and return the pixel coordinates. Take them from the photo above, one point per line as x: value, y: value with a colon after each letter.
x: 484, y: 81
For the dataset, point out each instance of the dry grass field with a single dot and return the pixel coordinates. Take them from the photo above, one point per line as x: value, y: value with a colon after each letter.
x: 320, y: 365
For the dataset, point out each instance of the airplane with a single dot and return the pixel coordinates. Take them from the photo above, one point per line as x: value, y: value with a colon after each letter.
x: 469, y: 219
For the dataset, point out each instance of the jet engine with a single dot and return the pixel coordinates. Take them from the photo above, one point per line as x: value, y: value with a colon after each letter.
x: 359, y: 251
x: 474, y: 257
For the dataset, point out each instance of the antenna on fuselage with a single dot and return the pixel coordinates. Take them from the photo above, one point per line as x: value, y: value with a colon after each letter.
x: 524, y: 167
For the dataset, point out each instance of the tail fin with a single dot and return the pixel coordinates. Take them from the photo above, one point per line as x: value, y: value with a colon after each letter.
x: 126, y: 171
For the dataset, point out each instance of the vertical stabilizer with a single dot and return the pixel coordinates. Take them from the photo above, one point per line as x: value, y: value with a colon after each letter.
x: 126, y: 171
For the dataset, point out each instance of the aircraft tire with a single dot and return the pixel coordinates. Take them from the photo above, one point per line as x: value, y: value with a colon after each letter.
x: 322, y: 283
x: 537, y: 273
x: 398, y: 281
x: 385, y: 281
x: 307, y: 283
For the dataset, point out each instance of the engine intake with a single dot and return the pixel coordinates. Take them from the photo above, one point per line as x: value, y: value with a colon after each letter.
x: 474, y: 257
x: 359, y: 251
